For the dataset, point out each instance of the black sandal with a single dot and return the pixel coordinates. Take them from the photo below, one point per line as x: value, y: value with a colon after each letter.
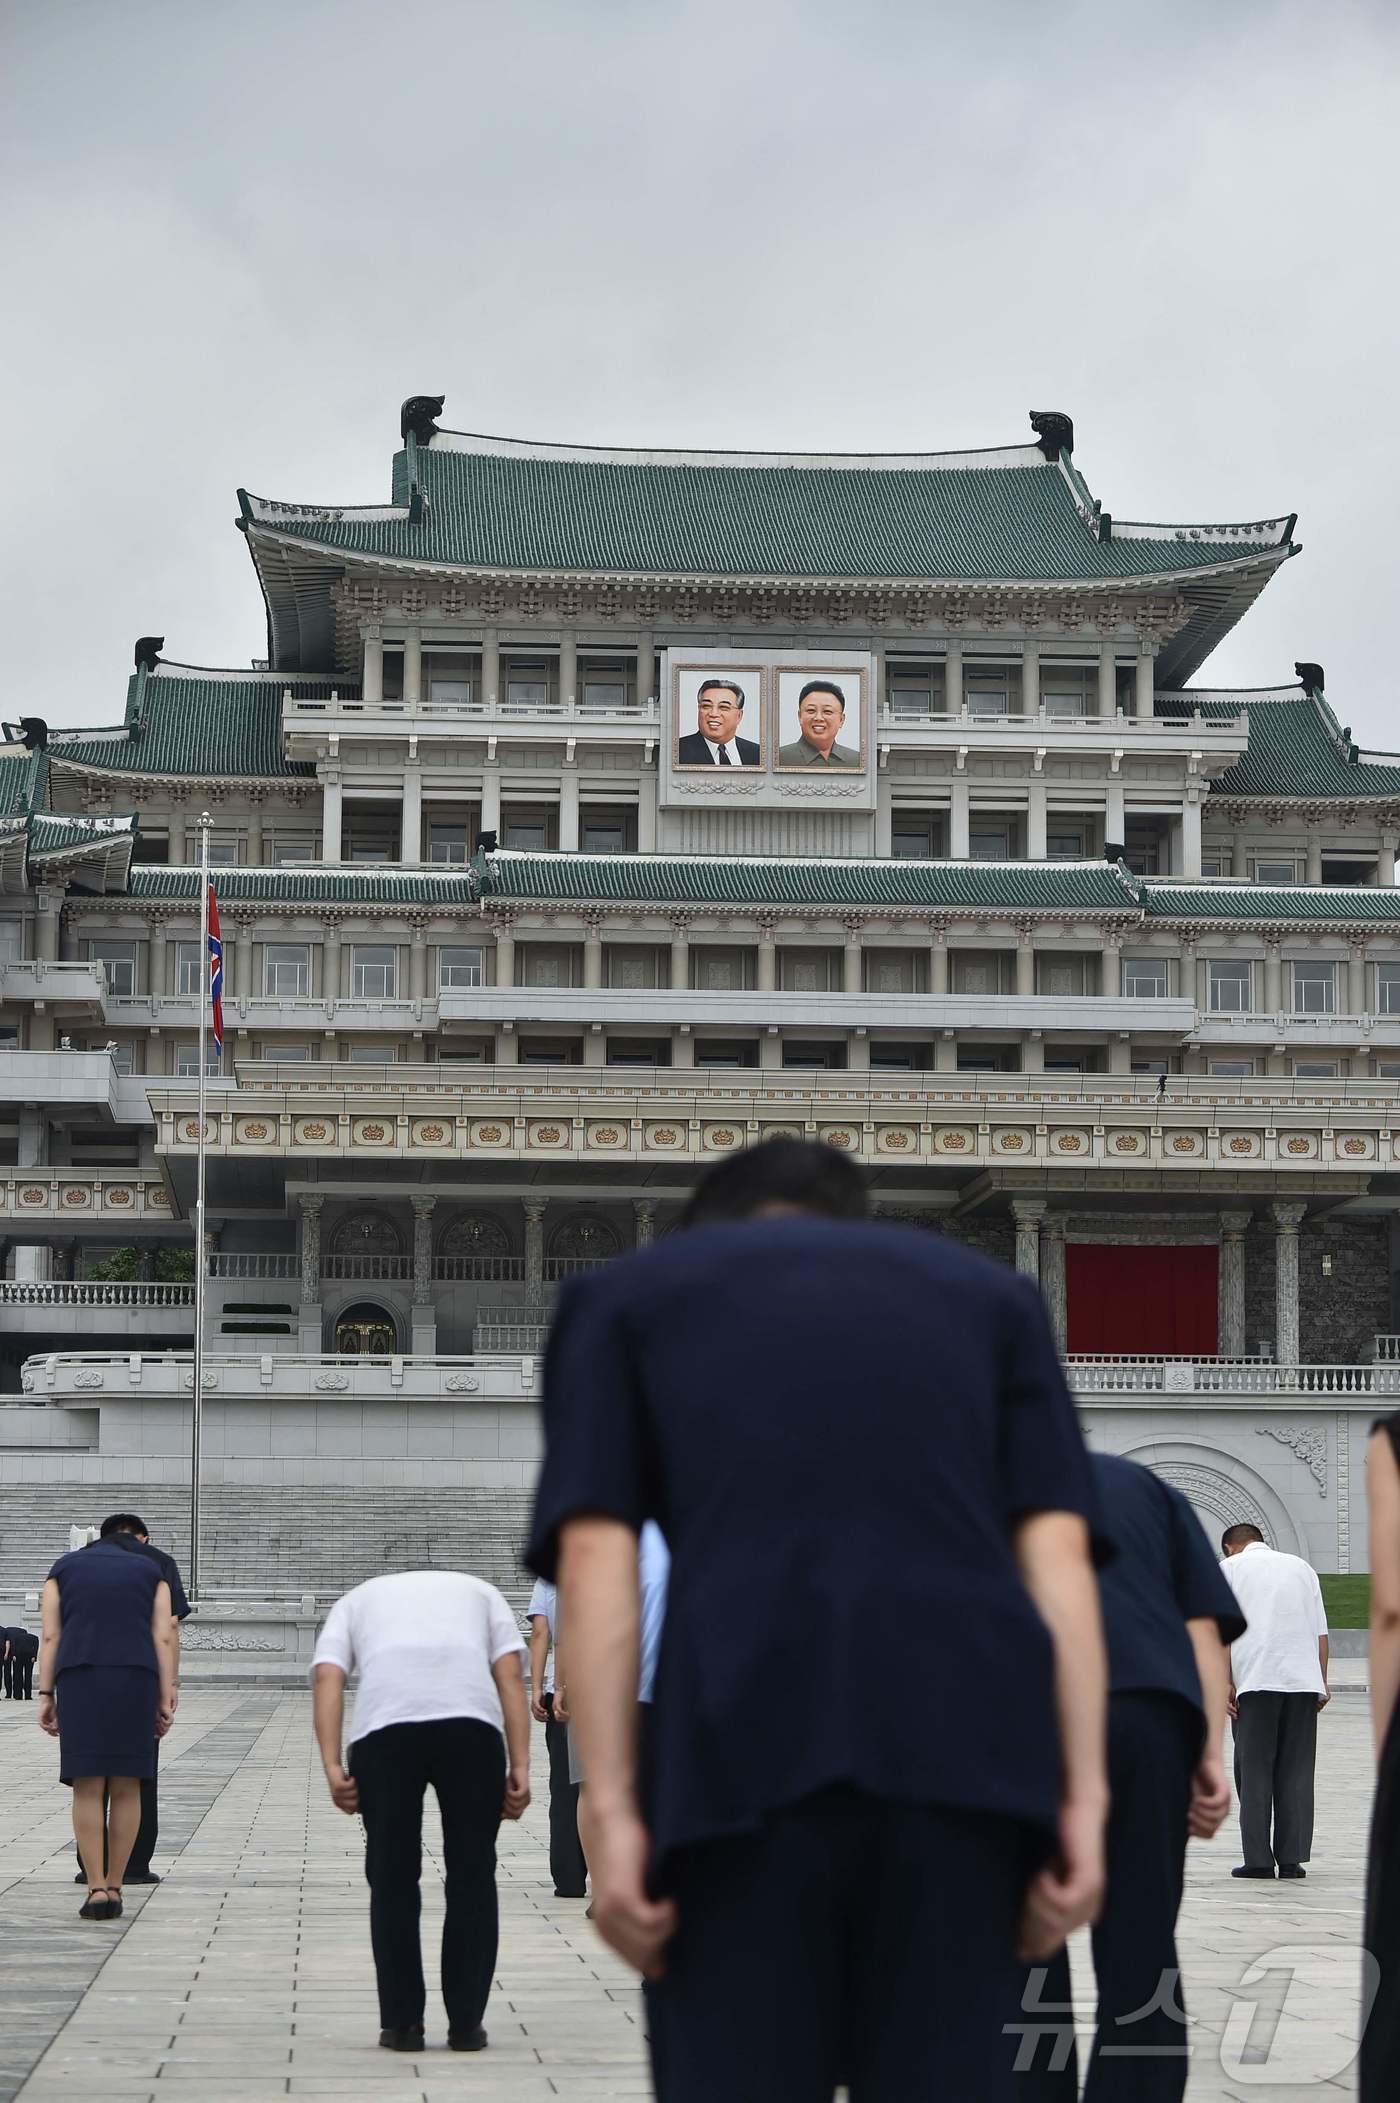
x: 95, y: 1908
x: 114, y: 1905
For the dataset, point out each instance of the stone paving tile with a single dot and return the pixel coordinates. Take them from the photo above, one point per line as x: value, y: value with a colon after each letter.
x: 247, y: 1974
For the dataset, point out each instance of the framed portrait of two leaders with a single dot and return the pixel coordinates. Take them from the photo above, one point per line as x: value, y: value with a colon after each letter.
x: 782, y: 712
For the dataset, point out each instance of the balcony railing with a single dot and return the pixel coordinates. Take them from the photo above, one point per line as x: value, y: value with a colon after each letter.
x: 1387, y: 1350
x: 95, y: 1292
x: 494, y: 1270
x: 366, y: 1266
x: 1133, y: 1375
x: 249, y: 1263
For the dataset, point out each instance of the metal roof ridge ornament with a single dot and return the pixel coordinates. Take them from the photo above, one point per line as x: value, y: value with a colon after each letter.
x: 1054, y: 432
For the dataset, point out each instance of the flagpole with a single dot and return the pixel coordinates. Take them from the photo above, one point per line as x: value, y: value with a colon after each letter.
x: 197, y: 1390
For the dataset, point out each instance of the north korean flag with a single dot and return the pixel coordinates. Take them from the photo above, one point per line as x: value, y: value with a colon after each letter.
x: 216, y: 972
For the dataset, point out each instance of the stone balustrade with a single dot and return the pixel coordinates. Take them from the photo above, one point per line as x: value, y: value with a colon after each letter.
x: 95, y: 1292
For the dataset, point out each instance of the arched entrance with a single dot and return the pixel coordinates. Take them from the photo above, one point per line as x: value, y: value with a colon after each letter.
x: 364, y: 1330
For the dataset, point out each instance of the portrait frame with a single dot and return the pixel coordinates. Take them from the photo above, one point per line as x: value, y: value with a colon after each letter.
x: 788, y: 682
x: 689, y: 677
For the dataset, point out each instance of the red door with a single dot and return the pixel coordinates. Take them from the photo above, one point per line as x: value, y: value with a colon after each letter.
x: 1150, y: 1301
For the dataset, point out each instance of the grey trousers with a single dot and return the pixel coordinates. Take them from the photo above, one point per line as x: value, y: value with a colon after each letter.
x: 1275, y: 1752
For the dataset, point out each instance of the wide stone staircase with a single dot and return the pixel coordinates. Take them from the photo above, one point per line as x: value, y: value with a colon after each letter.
x: 262, y: 1541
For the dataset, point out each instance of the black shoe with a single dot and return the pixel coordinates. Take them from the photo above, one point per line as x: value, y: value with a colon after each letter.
x: 467, y: 2041
x: 142, y: 1876
x: 569, y: 1894
x: 81, y: 1877
x: 1291, y: 1869
x: 408, y: 2037
x: 1246, y: 1871
x: 98, y: 1908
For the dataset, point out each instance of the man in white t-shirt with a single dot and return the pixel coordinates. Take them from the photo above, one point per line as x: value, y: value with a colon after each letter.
x: 1278, y: 1671
x: 566, y: 1863
x: 438, y: 1656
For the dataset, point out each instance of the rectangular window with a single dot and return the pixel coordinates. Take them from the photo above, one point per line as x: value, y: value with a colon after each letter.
x: 722, y: 1051
x: 911, y: 842
x: 1314, y: 988
x: 1315, y: 1069
x: 118, y: 960
x: 987, y: 690
x: 373, y: 1054
x: 291, y: 846
x: 450, y: 693
x: 296, y: 1049
x: 151, y: 847
x: 632, y: 967
x: 894, y: 1056
x: 550, y: 1051
x: 1215, y: 864
x: 810, y: 971
x: 373, y: 972
x: 982, y: 972
x: 1151, y: 1066
x: 989, y: 843
x: 286, y: 971
x: 608, y: 838
x: 890, y: 971
x: 721, y: 970
x: 1274, y: 869
x: 1231, y: 983
x: 226, y: 848
x: 527, y: 687
x: 187, y: 1060
x: 525, y: 835
x: 371, y: 838
x: 1068, y: 690
x: 824, y: 1058
x: 474, y: 1054
x: 1232, y: 1069
x: 189, y: 979
x: 547, y: 964
x: 448, y: 842
x: 1065, y: 844
x: 122, y: 1052
x: 459, y: 970
x: 913, y: 690
x: 639, y: 1051
x: 1145, y: 978
x: 1064, y: 978
x: 1388, y: 989
x: 1388, y: 1069
x: 604, y: 687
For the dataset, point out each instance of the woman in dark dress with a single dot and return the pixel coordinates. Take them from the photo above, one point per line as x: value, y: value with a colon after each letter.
x: 1380, y: 2044
x: 106, y: 1692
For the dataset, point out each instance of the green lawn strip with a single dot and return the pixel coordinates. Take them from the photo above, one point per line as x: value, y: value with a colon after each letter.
x: 1347, y: 1599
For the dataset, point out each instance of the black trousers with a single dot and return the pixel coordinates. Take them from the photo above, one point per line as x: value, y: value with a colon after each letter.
x: 1140, y: 2049
x: 147, y: 1833
x: 1275, y: 1755
x: 464, y: 1761
x: 566, y: 1863
x: 848, y: 1940
x: 19, y: 1677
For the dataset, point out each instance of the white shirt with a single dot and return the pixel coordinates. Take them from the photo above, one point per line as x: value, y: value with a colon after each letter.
x: 423, y: 1643
x: 1281, y: 1599
x: 542, y: 1603
x: 714, y: 745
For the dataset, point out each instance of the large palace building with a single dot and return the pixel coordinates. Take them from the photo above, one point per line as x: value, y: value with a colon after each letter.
x: 597, y: 812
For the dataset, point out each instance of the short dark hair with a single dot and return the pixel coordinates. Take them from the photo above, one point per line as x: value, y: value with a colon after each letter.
x: 122, y: 1522
x: 1238, y: 1536
x: 728, y: 686
x: 806, y: 1175
x: 822, y: 686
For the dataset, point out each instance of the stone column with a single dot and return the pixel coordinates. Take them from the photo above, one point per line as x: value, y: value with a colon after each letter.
x: 767, y: 973
x: 568, y: 671
x: 1030, y: 679
x: 309, y: 1311
x: 592, y: 952
x: 1146, y: 673
x: 770, y: 1051
x: 411, y: 823
x: 242, y: 960
x: 1191, y: 834
x: 507, y: 1047
x: 1287, y: 1220
x: 490, y: 798
x: 331, y: 817
x: 418, y: 964
x: 945, y: 1053
x: 1025, y: 965
x: 1273, y: 977
x: 255, y: 836
x: 490, y: 669
x: 959, y: 821
x: 682, y: 1048
x: 424, y: 1319
x: 160, y: 960
x: 330, y: 961
x: 1033, y: 1053
x: 680, y: 956
x: 1036, y: 820
x: 1314, y: 861
x: 851, y: 958
x: 49, y: 903
x: 1028, y: 1214
x: 858, y: 1053
x: 373, y: 687
x: 568, y: 810
x: 1112, y: 987
x: 953, y: 678
x: 1115, y: 822
x: 1052, y: 1277
x: 1230, y: 1319
x: 1108, y: 680
x: 1385, y: 866
x: 644, y: 1212
x: 938, y: 960
x: 505, y: 957
x: 68, y: 940
x: 646, y: 670
x: 534, y: 1252
x: 648, y: 794
x: 65, y: 1261
x: 413, y: 667
x: 1357, y: 1000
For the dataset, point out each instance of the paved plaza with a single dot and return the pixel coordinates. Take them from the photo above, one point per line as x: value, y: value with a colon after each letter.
x: 247, y: 1973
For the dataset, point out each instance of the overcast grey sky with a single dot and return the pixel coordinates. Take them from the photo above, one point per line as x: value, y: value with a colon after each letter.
x: 237, y: 235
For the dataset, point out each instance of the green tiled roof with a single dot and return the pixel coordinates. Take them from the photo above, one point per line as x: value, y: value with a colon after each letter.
x: 22, y: 778
x: 297, y: 884
x: 1237, y: 901
x: 1296, y: 749
x: 56, y: 835
x: 920, y: 886
x: 492, y: 504
x: 206, y: 724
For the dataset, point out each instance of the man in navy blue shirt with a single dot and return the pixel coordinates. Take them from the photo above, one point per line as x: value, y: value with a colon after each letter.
x: 835, y: 1863
x: 1169, y: 1618
x: 129, y: 1532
